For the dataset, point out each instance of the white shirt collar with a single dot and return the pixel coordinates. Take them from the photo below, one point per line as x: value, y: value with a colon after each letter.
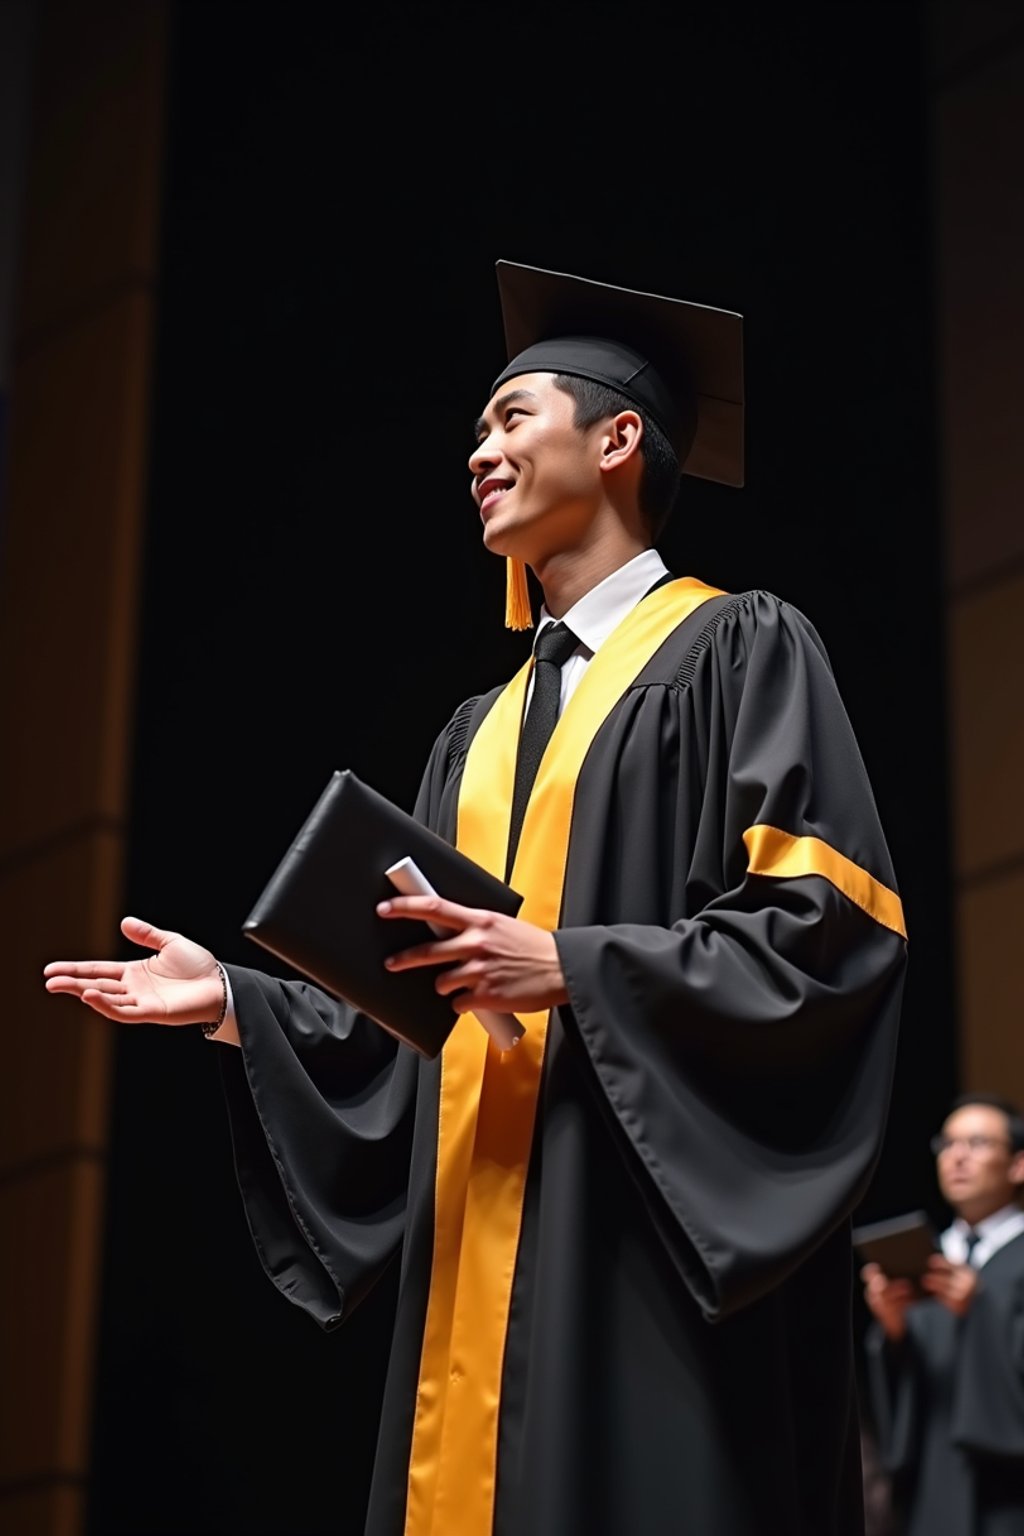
x: 601, y: 609
x: 993, y: 1231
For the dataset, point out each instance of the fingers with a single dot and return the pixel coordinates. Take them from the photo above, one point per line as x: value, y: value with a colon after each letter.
x: 144, y: 933
x: 113, y: 1007
x: 105, y: 997
x: 954, y: 1290
x: 457, y: 978
x: 433, y: 909
x: 949, y: 1274
x: 469, y: 1002
x: 77, y: 986
x: 879, y: 1287
x: 420, y: 954
x: 82, y: 968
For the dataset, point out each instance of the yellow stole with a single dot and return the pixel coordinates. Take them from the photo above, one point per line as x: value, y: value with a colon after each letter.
x: 488, y: 1099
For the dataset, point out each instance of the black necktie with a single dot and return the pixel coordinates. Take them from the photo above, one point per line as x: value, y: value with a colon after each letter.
x: 971, y: 1241
x: 555, y: 644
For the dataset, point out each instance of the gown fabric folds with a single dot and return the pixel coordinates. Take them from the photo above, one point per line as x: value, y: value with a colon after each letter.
x: 678, y: 1358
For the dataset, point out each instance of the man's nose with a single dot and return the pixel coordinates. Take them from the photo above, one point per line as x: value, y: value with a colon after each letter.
x: 484, y: 457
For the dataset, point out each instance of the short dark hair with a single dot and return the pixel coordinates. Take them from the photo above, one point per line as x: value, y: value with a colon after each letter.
x: 1014, y: 1118
x: 659, y: 482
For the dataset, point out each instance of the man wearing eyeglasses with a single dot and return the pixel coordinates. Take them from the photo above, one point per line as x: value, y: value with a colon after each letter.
x: 946, y: 1358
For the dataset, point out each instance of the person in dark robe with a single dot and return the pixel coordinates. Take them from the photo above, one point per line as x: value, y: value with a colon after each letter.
x: 625, y: 1300
x: 946, y: 1359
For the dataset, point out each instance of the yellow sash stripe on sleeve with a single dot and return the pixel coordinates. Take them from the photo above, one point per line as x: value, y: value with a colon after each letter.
x: 488, y: 1099
x: 785, y: 857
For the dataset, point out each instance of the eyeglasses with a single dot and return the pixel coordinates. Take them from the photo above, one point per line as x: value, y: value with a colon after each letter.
x: 942, y: 1143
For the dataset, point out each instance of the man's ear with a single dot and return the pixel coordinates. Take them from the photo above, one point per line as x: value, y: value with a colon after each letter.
x: 621, y: 439
x: 1017, y: 1169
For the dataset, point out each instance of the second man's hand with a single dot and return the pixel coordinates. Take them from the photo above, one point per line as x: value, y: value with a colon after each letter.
x: 888, y: 1300
x: 952, y: 1284
x: 492, y: 961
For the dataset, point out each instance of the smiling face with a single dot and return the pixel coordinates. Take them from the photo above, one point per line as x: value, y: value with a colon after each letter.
x: 978, y: 1170
x: 536, y: 476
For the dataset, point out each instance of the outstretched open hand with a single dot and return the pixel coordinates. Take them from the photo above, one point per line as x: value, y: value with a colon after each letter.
x: 179, y: 984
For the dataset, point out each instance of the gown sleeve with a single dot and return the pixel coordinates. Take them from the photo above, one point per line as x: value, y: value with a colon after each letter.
x: 744, y: 1051
x: 321, y: 1102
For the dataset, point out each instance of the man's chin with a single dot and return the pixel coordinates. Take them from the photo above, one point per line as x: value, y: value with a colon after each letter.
x: 498, y: 540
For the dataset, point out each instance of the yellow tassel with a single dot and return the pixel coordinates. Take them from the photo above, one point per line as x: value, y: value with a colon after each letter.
x: 518, y: 613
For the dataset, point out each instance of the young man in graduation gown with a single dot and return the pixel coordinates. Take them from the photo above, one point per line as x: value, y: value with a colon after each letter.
x: 625, y: 1296
x: 946, y: 1363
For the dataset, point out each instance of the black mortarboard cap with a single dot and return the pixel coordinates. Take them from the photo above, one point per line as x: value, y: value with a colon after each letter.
x: 682, y: 362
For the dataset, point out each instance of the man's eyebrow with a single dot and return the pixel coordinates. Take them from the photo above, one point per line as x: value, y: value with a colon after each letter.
x: 480, y: 425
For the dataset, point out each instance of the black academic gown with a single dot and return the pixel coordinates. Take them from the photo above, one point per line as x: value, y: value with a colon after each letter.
x: 948, y: 1402
x: 678, y: 1358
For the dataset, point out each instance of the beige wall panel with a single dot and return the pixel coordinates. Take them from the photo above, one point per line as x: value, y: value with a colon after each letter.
x: 991, y: 944
x: 53, y: 1511
x: 986, y: 662
x: 91, y: 212
x: 54, y: 1089
x: 48, y: 1301
x: 979, y: 192
x: 68, y: 581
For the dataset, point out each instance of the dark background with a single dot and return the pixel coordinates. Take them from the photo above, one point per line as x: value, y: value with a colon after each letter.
x: 338, y: 188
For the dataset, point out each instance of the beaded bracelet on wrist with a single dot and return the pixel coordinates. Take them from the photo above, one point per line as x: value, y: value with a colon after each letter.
x: 212, y: 1028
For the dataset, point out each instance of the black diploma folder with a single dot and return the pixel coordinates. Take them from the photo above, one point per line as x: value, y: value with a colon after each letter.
x: 318, y: 911
x: 901, y: 1246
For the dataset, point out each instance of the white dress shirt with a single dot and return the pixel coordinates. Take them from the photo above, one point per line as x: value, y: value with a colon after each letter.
x: 601, y: 610
x: 993, y: 1233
